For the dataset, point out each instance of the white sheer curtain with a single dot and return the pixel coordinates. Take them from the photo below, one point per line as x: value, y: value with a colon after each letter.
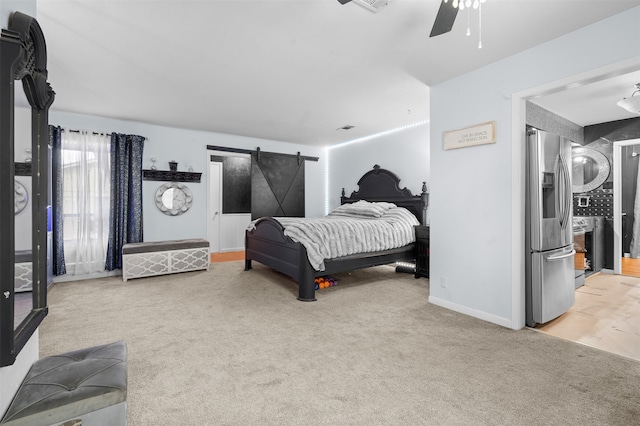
x: 635, y: 233
x: 85, y: 207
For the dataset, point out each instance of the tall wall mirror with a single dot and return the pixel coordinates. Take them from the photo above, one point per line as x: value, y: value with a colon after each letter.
x: 590, y: 169
x: 23, y: 57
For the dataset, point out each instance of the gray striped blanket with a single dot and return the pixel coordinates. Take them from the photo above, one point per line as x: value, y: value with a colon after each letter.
x: 342, y: 234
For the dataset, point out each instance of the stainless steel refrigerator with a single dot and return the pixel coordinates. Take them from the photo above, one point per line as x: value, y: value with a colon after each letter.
x: 550, y: 276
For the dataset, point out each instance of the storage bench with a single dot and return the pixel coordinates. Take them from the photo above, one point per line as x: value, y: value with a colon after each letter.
x: 87, y: 387
x: 164, y: 257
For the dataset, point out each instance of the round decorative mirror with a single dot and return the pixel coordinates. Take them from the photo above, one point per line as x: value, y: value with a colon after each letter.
x: 21, y: 197
x: 173, y: 198
x: 590, y: 169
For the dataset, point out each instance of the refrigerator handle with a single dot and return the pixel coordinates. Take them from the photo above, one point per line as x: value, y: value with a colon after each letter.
x: 569, y: 192
x: 560, y: 191
x: 565, y: 192
x: 562, y: 256
x: 561, y: 188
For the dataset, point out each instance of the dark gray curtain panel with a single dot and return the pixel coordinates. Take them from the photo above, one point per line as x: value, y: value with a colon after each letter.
x: 126, y: 196
x: 55, y: 140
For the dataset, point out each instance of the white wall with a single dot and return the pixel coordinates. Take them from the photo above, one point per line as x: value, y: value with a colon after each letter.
x: 11, y: 377
x: 477, y: 216
x: 189, y: 148
x: 404, y: 152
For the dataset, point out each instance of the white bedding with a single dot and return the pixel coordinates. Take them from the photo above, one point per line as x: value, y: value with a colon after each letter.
x: 350, y: 230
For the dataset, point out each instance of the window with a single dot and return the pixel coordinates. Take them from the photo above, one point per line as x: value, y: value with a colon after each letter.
x: 86, y: 199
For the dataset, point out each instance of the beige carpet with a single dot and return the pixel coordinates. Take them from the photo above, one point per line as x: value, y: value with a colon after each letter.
x: 230, y: 347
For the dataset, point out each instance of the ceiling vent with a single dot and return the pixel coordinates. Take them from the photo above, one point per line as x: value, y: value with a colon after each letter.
x: 372, y: 5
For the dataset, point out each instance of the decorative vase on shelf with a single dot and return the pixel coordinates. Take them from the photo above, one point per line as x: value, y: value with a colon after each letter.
x: 173, y: 166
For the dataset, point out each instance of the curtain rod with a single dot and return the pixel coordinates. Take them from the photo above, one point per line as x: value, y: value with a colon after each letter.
x: 96, y: 133
x: 78, y: 131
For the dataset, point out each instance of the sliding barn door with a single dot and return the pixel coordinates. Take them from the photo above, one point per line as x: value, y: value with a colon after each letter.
x: 277, y: 185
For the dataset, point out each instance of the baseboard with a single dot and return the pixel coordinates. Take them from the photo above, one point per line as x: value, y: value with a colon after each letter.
x: 95, y: 275
x: 504, y: 322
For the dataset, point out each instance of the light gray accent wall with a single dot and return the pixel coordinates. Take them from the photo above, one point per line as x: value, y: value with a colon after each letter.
x: 404, y: 152
x: 7, y: 7
x: 543, y: 119
x: 189, y: 148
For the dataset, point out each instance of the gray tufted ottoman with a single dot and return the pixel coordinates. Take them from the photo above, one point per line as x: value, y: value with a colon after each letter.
x: 81, y: 388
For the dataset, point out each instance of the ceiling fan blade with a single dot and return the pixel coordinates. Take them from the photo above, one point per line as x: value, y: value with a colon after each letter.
x: 344, y: 1
x: 444, y: 19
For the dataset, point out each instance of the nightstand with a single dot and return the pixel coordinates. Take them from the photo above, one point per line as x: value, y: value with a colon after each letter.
x: 422, y: 251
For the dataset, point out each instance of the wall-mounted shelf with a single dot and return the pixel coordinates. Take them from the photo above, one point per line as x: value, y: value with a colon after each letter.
x: 22, y: 169
x: 171, y: 176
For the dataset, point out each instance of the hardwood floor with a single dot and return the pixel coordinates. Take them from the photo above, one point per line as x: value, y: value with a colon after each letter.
x: 227, y: 257
x: 631, y: 267
x: 606, y: 315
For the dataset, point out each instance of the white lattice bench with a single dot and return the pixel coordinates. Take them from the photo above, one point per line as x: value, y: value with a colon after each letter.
x: 23, y: 272
x: 164, y: 257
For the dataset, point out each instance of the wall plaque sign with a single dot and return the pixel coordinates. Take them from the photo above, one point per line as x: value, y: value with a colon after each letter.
x: 479, y: 134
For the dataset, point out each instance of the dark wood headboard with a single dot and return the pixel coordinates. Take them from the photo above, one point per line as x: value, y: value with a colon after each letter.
x: 383, y: 185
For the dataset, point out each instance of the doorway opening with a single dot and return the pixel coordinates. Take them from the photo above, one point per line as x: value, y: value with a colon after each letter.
x: 228, y: 211
x: 608, y: 326
x: 626, y: 253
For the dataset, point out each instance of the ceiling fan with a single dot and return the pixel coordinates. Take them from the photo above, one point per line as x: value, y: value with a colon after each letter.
x: 371, y: 5
x: 444, y: 19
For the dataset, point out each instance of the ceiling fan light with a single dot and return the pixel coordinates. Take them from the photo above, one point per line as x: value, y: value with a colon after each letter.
x: 631, y: 104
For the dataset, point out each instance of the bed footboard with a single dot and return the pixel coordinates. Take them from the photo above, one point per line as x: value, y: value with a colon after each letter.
x: 267, y: 244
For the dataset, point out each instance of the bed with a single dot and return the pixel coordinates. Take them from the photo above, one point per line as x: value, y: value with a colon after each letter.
x: 266, y: 242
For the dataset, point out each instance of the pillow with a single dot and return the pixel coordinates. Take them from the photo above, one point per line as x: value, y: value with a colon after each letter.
x: 362, y: 208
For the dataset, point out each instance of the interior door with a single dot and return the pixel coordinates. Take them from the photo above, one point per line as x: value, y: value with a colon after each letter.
x: 214, y: 206
x: 277, y: 185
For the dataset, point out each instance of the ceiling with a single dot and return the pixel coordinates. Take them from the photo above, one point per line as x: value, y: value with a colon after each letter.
x: 292, y: 70
x: 595, y: 102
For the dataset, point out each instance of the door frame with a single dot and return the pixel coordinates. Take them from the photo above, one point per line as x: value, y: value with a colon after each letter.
x: 617, y: 202
x: 518, y: 126
x: 214, y: 243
